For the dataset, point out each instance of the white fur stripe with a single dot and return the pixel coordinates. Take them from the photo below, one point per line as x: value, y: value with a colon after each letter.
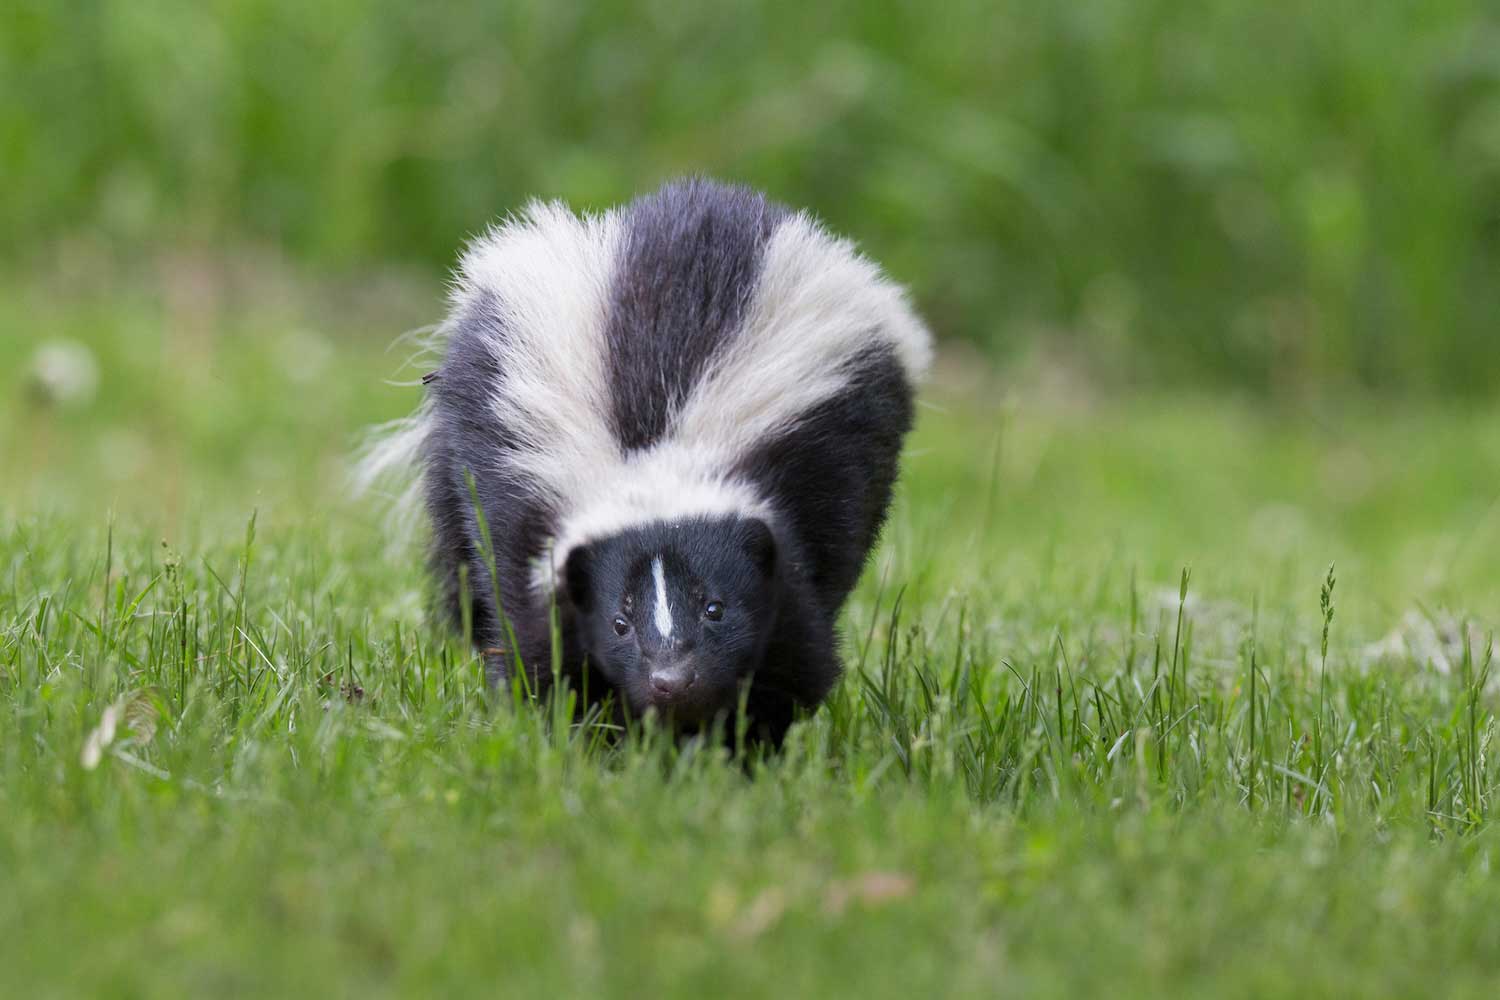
x: 816, y: 306
x: 663, y: 609
x: 550, y: 274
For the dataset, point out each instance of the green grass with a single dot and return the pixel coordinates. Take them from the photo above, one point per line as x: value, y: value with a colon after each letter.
x: 1046, y: 772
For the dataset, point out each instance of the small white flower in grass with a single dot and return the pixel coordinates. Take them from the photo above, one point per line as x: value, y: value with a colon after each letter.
x: 64, y: 372
x: 101, y: 737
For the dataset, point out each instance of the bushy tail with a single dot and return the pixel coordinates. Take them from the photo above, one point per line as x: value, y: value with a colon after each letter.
x: 388, y: 461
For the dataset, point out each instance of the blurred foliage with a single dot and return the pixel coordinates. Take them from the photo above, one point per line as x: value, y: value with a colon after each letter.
x: 1277, y: 196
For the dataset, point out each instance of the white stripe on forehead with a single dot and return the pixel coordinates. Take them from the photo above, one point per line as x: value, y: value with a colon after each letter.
x: 663, y: 609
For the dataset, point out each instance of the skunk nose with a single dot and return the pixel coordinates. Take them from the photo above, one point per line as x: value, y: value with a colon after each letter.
x: 669, y: 682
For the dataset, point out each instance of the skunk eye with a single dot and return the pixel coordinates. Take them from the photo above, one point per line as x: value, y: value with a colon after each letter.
x: 622, y: 627
x: 713, y: 611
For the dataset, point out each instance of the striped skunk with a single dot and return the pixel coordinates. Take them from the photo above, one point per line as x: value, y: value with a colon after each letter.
x: 681, y: 421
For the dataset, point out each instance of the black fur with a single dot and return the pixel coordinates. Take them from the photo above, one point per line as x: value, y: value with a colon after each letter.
x: 833, y: 474
x: 690, y: 261
x: 464, y: 446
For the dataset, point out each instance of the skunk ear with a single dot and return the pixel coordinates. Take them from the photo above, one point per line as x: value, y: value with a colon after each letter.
x: 760, y: 545
x: 578, y: 577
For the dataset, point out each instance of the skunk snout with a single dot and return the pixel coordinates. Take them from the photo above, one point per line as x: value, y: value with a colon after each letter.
x: 671, y: 681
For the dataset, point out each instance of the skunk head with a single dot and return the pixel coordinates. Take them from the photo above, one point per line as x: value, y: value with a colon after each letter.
x: 676, y: 615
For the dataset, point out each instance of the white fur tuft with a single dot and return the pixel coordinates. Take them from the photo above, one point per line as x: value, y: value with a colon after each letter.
x: 387, y: 467
x: 389, y: 457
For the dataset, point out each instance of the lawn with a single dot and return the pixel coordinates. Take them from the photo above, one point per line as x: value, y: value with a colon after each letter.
x: 1110, y: 724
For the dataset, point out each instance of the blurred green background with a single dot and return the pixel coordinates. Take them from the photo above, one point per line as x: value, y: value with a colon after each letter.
x: 1282, y: 198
